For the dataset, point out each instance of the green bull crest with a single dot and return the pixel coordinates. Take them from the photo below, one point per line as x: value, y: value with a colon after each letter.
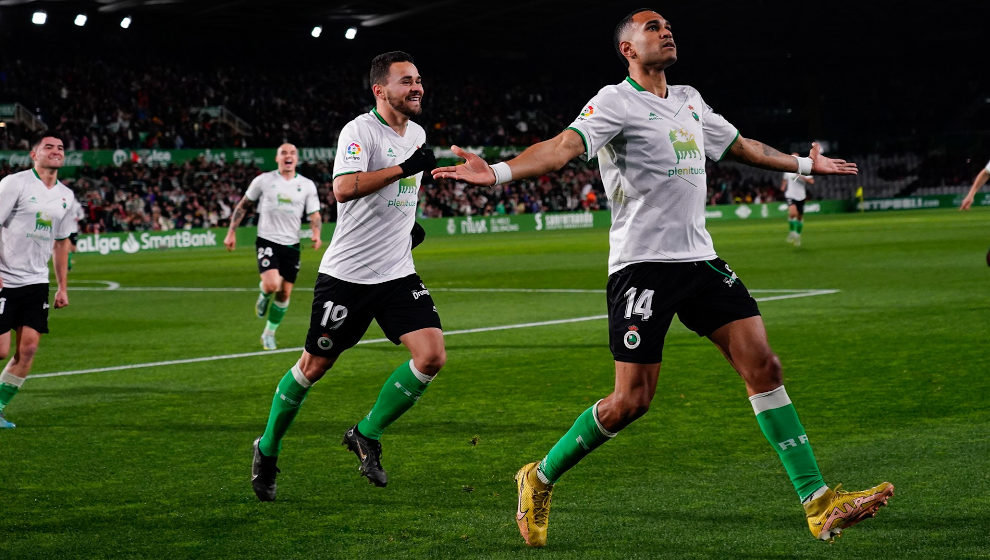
x: 408, y: 185
x: 685, y: 148
x: 41, y: 222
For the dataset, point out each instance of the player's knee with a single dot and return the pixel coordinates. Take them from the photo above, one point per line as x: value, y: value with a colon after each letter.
x: 26, y: 352
x: 634, y: 405
x: 768, y: 372
x: 314, y: 367
x: 431, y: 363
x: 269, y: 285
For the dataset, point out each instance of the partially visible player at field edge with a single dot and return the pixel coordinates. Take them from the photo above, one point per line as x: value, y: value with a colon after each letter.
x: 978, y: 182
x: 795, y: 190
x: 651, y: 140
x: 286, y: 197
x: 35, y: 223
x: 368, y: 273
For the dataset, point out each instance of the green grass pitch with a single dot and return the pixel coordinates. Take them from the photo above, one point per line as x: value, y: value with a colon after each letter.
x: 889, y: 375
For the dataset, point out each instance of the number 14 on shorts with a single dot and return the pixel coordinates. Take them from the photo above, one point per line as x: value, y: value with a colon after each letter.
x: 642, y: 305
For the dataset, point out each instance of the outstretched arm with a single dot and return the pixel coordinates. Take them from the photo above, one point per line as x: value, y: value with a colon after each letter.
x: 230, y: 242
x: 540, y: 158
x: 978, y: 182
x: 758, y: 154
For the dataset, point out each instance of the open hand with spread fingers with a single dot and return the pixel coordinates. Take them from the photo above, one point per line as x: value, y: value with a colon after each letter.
x: 821, y: 165
x: 474, y: 170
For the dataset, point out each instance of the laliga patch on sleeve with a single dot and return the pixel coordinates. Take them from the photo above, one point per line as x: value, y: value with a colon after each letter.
x: 353, y: 152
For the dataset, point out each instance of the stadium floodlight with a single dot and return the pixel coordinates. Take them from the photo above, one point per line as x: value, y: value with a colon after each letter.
x: 350, y: 33
x: 39, y: 17
x: 316, y: 31
x: 126, y: 22
x: 80, y: 20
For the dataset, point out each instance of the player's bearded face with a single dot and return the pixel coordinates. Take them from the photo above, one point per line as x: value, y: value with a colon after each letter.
x: 408, y: 101
x: 404, y: 91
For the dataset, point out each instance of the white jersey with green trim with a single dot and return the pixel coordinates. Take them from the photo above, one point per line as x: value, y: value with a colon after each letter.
x: 371, y: 242
x: 283, y: 203
x: 651, y: 152
x: 797, y: 186
x: 32, y: 217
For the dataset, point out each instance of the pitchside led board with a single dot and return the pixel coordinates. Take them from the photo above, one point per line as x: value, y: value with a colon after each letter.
x: 138, y: 241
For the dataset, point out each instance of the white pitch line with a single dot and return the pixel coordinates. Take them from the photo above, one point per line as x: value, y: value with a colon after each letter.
x: 789, y: 294
x: 299, y: 348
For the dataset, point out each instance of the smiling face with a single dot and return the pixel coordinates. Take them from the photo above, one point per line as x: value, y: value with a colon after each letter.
x: 49, y: 153
x: 403, y: 89
x: 647, y: 41
x: 286, y: 158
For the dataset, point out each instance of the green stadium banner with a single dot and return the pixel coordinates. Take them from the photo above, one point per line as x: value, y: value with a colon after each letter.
x: 472, y: 225
x: 773, y: 210
x: 262, y: 157
x: 921, y: 202
x: 136, y: 241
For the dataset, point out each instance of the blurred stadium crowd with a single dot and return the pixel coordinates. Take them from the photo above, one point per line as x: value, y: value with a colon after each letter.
x: 94, y: 106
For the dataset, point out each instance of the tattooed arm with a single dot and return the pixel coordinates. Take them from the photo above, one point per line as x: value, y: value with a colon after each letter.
x: 357, y: 185
x: 230, y: 242
x: 758, y: 154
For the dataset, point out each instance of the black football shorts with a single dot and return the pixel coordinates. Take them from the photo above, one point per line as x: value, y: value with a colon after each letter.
x: 643, y: 298
x: 342, y: 312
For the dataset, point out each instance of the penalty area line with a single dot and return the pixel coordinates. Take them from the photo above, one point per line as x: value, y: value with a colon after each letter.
x: 788, y: 294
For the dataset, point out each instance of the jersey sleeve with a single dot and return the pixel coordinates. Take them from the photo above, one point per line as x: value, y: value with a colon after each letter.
x: 8, y: 199
x: 312, y: 198
x: 600, y: 121
x: 719, y: 133
x: 68, y: 224
x: 353, y: 147
x: 254, y: 189
x: 988, y: 167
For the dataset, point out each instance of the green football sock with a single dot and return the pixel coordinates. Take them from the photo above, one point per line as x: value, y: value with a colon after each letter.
x: 584, y: 436
x: 780, y: 424
x: 790, y: 225
x: 798, y: 226
x: 275, y: 313
x: 288, y: 398
x: 9, y: 385
x: 399, y: 394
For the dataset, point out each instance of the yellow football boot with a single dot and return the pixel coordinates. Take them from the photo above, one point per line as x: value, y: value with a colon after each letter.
x: 836, y: 510
x: 534, y: 506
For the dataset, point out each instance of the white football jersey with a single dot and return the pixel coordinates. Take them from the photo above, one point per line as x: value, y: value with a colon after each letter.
x: 371, y: 242
x: 988, y: 167
x: 797, y: 186
x: 283, y: 205
x: 32, y: 217
x: 651, y: 152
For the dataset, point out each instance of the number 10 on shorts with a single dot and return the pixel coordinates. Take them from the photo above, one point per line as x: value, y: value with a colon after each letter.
x: 642, y: 305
